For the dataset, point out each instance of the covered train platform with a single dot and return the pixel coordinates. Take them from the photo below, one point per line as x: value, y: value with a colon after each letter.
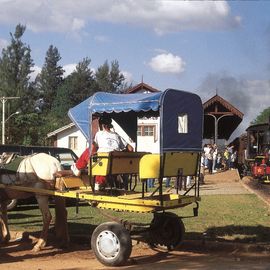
x: 220, y: 119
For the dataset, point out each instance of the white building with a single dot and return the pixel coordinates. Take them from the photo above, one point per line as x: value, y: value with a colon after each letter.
x: 69, y: 136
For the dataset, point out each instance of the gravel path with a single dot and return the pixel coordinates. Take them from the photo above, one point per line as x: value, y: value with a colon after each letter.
x: 227, y: 182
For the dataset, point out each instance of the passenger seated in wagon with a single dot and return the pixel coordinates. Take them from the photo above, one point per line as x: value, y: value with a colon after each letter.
x: 106, y: 140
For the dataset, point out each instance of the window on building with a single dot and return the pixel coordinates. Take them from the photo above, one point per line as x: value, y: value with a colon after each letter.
x: 73, y: 142
x: 183, y: 123
x: 146, y: 130
x: 149, y: 130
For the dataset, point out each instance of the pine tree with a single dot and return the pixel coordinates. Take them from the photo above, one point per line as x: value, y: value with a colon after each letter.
x: 109, y: 79
x: 15, y: 70
x: 103, y: 78
x: 78, y: 86
x: 50, y: 77
x: 81, y: 82
x: 117, y: 78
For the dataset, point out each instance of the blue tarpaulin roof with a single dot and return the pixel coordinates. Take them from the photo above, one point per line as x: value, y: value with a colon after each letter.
x: 125, y: 108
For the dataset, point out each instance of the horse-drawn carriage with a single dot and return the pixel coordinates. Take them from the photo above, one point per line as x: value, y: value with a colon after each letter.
x: 180, y: 117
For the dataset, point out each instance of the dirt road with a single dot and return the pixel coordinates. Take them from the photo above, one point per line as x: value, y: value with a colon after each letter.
x: 191, y: 255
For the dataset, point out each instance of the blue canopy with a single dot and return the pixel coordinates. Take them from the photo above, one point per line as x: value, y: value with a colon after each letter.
x: 172, y: 106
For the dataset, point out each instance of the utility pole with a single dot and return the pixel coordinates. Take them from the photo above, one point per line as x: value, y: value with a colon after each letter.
x: 3, y: 101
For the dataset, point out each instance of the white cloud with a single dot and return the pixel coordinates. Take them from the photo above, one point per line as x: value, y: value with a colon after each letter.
x: 3, y: 43
x: 36, y: 70
x: 167, y: 63
x: 77, y: 24
x: 69, y: 68
x: 128, y: 76
x: 162, y: 16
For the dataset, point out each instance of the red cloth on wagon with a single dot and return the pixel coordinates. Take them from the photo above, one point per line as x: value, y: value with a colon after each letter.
x: 82, y: 163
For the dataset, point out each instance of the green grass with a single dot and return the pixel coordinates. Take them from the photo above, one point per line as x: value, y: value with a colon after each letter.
x: 242, y: 218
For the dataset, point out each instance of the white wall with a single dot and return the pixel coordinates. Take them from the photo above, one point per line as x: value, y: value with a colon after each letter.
x: 63, y: 138
x: 149, y: 143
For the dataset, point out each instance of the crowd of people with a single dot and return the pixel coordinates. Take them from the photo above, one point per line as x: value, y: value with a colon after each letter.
x: 215, y: 159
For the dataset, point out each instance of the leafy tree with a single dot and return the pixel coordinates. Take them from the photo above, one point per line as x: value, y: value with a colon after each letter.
x: 29, y: 125
x: 62, y: 102
x: 263, y: 117
x: 109, y: 79
x: 15, y: 67
x: 117, y: 78
x: 103, y: 78
x: 15, y: 70
x: 78, y: 86
x: 50, y: 77
x: 82, y: 81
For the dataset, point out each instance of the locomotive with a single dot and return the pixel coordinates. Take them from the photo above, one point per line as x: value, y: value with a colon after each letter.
x: 254, y: 152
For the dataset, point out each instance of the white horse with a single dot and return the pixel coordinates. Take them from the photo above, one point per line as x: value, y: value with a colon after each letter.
x: 36, y: 171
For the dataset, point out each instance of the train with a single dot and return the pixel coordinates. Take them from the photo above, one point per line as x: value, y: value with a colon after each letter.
x: 253, y: 149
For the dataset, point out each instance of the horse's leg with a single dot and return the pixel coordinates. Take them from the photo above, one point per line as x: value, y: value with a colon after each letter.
x: 43, y: 203
x: 61, y: 228
x: 4, y: 234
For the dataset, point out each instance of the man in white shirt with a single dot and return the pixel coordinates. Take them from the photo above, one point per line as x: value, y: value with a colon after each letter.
x: 107, y: 140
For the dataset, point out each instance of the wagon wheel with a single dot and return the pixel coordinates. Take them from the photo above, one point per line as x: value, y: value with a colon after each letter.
x: 166, y: 229
x: 111, y: 243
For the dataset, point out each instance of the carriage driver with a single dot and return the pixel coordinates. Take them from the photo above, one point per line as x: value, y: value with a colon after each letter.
x: 106, y: 140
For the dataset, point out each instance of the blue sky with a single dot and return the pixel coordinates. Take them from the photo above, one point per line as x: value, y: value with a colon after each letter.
x: 197, y: 46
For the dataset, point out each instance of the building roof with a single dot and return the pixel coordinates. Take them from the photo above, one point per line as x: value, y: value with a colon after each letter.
x: 61, y: 129
x: 218, y: 100
x: 141, y: 87
x: 225, y: 115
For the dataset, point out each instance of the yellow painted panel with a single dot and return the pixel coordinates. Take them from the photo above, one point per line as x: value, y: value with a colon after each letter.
x: 116, y: 163
x: 100, y: 164
x: 125, y: 162
x: 150, y: 164
x: 186, y: 161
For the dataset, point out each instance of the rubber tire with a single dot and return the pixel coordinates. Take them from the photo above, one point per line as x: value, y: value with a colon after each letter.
x: 166, y: 229
x: 114, y: 232
x: 12, y: 204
